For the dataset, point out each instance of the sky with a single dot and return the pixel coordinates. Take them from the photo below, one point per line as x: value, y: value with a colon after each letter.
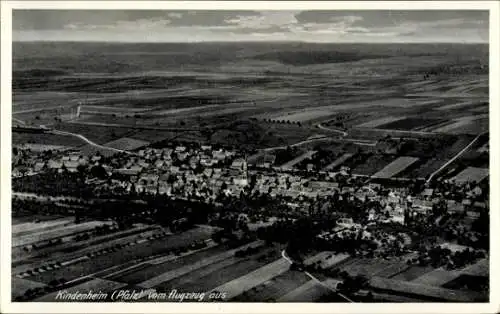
x: 460, y: 26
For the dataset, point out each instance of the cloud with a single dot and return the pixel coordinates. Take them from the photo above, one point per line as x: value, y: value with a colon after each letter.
x: 175, y: 15
x: 140, y: 24
x: 264, y: 20
x: 206, y: 25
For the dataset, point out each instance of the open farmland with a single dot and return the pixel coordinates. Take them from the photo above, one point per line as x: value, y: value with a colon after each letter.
x: 373, y: 164
x: 163, y: 272
x: 462, y: 105
x: 130, y: 253
x: 472, y: 174
x: 239, y: 285
x: 304, y: 116
x: 411, y: 273
x: 395, y: 167
x: 339, y: 161
x: 388, y: 111
x: 23, y: 260
x: 310, y: 291
x: 33, y: 227
x: 410, y: 123
x: 96, y: 133
x: 106, y: 110
x: 57, y: 233
x: 45, y: 139
x: 380, y: 121
x: 367, y: 267
x: 427, y: 292
x: 126, y: 143
x: 298, y: 159
x: 19, y: 286
x: 222, y: 275
x: 436, y: 277
x: 274, y: 288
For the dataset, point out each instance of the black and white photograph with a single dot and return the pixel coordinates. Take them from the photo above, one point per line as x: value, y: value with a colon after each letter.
x: 248, y: 156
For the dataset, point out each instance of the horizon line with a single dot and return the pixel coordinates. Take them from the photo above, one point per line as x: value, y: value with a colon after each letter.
x: 247, y: 41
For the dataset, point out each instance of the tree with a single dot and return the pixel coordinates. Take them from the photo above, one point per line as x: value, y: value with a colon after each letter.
x: 99, y: 172
x: 81, y: 169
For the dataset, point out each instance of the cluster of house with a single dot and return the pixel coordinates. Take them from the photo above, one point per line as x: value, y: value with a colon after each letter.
x: 294, y: 186
x: 33, y: 163
x: 205, y: 172
x: 181, y: 171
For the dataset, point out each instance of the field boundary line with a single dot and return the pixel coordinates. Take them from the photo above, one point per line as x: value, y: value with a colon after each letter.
x: 175, y: 273
x: 283, y: 254
x: 80, y: 136
x: 246, y: 282
x: 460, y: 153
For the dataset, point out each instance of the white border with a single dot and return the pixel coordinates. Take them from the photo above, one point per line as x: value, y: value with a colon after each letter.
x: 6, y: 306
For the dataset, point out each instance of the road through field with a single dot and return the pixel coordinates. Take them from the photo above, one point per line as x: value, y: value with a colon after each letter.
x: 189, y: 268
x: 332, y: 130
x: 283, y: 254
x: 460, y: 153
x: 40, y: 109
x: 19, y: 121
x: 83, y: 138
x: 317, y: 139
x: 239, y: 285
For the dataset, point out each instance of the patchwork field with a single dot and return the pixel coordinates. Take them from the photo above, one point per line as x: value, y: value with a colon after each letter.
x: 129, y: 253
x: 239, y: 285
x: 149, y: 262
x: 32, y: 227
x: 275, y: 288
x: 291, y: 163
x: 304, y: 116
x: 126, y: 143
x: 220, y: 276
x: 19, y: 286
x: 395, y: 167
x: 384, y: 111
x: 157, y: 274
x: 339, y: 161
x: 472, y: 174
x: 380, y: 121
x: 410, y: 123
x: 64, y: 230
x: 432, y: 293
x: 373, y: 164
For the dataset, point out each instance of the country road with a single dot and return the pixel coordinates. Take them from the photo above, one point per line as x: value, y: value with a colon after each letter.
x: 131, y: 126
x: 323, y: 138
x: 320, y: 139
x: 460, y: 153
x: 19, y: 121
x: 332, y: 130
x: 283, y: 254
x: 86, y: 140
x: 41, y: 109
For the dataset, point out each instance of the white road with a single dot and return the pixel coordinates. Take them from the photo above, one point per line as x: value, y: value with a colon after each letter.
x: 41, y: 109
x: 332, y: 130
x: 86, y: 140
x: 19, y: 121
x: 283, y: 254
x: 317, y: 139
x: 460, y: 153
